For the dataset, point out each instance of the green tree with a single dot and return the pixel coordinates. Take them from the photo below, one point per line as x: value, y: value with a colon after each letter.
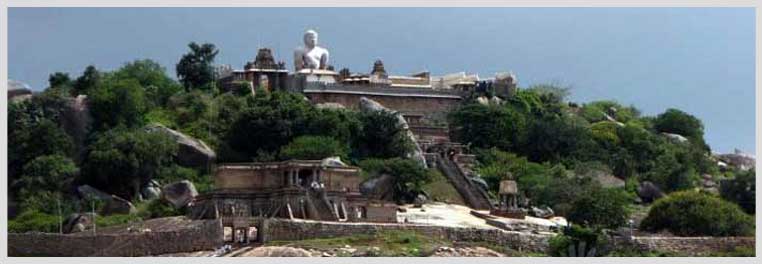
x: 601, y: 208
x: 679, y: 122
x: 313, y: 147
x: 195, y: 69
x: 53, y: 173
x: 152, y: 77
x: 382, y: 136
x: 31, y: 139
x: 741, y: 190
x: 121, y: 160
x: 409, y: 176
x: 690, y: 213
x: 87, y: 82
x: 122, y: 102
x: 59, y: 79
x: 489, y: 126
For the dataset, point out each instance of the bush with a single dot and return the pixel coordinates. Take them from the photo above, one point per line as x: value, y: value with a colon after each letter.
x: 382, y: 136
x: 118, y: 102
x: 409, y: 176
x: 157, y: 208
x: 741, y: 190
x: 690, y: 213
x: 48, y: 173
x: 601, y: 208
x: 576, y: 241
x: 313, y: 147
x: 122, y: 161
x: 32, y: 220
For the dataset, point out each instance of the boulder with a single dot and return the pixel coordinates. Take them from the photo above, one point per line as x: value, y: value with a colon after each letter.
x: 179, y: 193
x: 675, y: 137
x: 77, y: 223
x: 738, y: 159
x: 117, y: 205
x: 419, y: 200
x: 546, y: 212
x: 86, y: 191
x: 649, y: 192
x: 76, y: 121
x: 18, y: 91
x: 191, y: 152
x: 482, y: 100
x: 151, y: 191
x: 381, y: 187
x: 333, y: 162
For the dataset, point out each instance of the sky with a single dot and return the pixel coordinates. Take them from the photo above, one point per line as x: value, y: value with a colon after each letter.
x: 699, y: 60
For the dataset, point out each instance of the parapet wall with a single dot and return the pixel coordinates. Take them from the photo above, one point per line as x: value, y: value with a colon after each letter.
x: 206, y: 235
x: 298, y: 230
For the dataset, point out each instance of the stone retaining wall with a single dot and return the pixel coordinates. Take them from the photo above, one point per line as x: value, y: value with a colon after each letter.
x: 298, y: 230
x: 693, y: 246
x: 204, y: 236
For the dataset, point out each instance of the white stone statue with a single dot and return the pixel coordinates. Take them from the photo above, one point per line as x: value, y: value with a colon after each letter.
x: 310, y: 56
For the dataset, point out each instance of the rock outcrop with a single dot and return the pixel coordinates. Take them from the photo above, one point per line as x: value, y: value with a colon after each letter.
x: 112, y: 204
x: 649, y: 192
x: 738, y: 159
x: 276, y: 252
x: 77, y: 121
x: 18, y: 91
x: 192, y: 152
x: 380, y: 188
x: 179, y: 193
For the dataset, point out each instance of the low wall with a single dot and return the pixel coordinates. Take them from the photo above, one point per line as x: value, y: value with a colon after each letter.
x: 693, y: 246
x: 205, y: 235
x: 297, y: 230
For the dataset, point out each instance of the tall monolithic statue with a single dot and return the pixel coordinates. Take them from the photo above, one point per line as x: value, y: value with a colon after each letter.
x: 310, y: 56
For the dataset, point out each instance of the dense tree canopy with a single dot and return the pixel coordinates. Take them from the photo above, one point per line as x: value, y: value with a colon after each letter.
x: 195, y: 69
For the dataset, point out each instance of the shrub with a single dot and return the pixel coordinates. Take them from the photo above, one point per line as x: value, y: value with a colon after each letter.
x: 157, y: 208
x: 690, y: 213
x: 601, y: 207
x: 741, y: 190
x: 32, y: 220
x: 409, y: 176
x: 576, y: 241
x: 313, y: 147
x: 48, y: 173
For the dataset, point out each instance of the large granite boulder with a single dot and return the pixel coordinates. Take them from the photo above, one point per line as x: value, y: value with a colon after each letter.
x: 738, y: 159
x: 151, y: 191
x: 112, y: 204
x: 675, y: 137
x: 118, y: 205
x: 77, y: 223
x: 546, y: 212
x: 368, y: 105
x: 649, y: 192
x: 381, y: 187
x: 191, y: 152
x: 179, y: 194
x: 87, y: 191
x: 18, y: 91
x: 333, y: 162
x: 76, y: 121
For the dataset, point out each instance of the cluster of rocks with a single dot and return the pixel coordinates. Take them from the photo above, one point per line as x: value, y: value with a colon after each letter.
x: 465, y: 252
x: 737, y: 159
x: 179, y: 194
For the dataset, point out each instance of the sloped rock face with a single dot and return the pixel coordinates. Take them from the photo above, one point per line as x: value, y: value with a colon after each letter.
x: 191, y: 152
x: 179, y: 193
x: 18, y: 91
x: 77, y: 121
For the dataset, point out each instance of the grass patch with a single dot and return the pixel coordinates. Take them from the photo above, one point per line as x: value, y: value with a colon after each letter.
x: 382, y: 244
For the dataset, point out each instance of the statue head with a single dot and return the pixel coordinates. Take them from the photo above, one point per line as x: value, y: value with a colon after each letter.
x: 310, y: 38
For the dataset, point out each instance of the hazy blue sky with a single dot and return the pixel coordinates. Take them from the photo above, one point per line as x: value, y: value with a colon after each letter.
x: 700, y: 60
